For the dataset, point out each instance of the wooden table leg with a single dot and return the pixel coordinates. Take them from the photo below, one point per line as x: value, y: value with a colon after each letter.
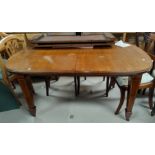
x: 25, y: 86
x: 133, y: 88
x: 30, y: 84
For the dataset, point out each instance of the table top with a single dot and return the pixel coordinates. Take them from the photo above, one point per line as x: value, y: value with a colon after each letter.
x: 104, y: 61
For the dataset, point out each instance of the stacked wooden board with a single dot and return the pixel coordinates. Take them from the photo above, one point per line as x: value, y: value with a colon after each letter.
x: 73, y: 41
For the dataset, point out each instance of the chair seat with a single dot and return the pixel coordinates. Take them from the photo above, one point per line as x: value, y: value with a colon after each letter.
x: 123, y: 81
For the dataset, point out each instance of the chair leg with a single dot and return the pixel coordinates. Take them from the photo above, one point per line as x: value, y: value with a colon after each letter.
x: 151, y: 91
x: 122, y: 98
x: 13, y: 85
x: 143, y: 93
x: 78, y: 85
x: 75, y: 83
x: 56, y: 78
x: 107, y: 87
x: 139, y: 91
x: 47, y: 83
x: 112, y: 83
x: 85, y: 78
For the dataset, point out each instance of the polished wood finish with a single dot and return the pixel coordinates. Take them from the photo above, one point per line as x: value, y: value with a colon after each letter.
x: 108, y: 61
x: 43, y: 62
x: 115, y: 61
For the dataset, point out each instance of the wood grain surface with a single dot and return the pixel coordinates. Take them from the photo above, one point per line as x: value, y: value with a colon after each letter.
x: 107, y: 61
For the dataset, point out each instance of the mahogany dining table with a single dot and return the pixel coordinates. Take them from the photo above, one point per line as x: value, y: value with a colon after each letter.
x: 116, y: 61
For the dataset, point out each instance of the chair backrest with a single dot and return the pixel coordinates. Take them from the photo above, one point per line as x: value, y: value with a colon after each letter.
x: 150, y: 49
x: 8, y: 46
x: 152, y: 43
x: 3, y: 34
x: 149, y: 40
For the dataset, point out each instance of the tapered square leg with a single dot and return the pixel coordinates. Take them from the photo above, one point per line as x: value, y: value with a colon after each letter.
x: 28, y: 94
x: 133, y: 88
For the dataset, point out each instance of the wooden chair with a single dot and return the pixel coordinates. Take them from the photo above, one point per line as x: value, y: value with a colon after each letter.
x: 147, y: 81
x: 9, y: 45
x: 148, y: 39
x: 147, y: 78
x: 151, y: 49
